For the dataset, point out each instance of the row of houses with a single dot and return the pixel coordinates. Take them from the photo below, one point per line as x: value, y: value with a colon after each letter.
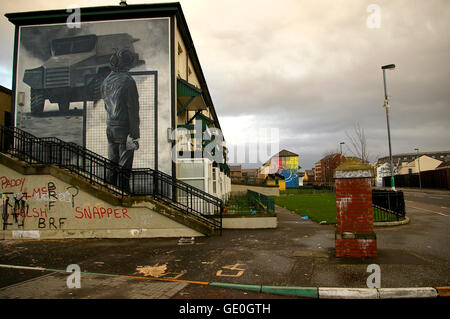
x: 404, y: 164
x: 413, y: 164
x: 285, y: 166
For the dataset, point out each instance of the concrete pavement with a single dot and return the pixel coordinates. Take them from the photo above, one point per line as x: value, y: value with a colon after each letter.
x: 53, y: 286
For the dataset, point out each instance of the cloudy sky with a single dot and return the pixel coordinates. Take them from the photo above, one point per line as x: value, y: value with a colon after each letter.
x: 311, y: 70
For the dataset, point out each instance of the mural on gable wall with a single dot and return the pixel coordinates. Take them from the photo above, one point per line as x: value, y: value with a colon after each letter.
x: 61, y: 84
x: 288, y: 167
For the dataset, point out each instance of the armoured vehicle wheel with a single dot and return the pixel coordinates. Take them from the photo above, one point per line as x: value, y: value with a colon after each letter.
x: 64, y: 106
x: 37, y: 101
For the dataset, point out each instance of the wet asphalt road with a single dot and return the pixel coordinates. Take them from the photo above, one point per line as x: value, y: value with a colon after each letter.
x: 441, y: 199
x: 297, y: 253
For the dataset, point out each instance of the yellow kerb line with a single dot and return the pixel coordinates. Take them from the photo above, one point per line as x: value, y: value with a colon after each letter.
x: 166, y: 279
x: 443, y: 291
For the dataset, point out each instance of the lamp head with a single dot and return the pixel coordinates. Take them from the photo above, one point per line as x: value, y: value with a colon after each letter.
x: 388, y: 67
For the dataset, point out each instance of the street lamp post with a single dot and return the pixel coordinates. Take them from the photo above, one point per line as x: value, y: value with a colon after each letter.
x: 340, y: 145
x: 386, y: 106
x: 418, y: 161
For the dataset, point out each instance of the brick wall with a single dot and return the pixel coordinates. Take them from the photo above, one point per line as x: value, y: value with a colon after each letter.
x: 354, y: 230
x: 356, y: 247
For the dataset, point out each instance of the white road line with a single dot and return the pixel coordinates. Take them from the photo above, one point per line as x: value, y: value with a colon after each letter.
x: 22, y: 267
x: 429, y: 211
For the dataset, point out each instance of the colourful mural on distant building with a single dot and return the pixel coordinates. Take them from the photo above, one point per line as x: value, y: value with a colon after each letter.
x: 288, y: 167
x: 284, y: 163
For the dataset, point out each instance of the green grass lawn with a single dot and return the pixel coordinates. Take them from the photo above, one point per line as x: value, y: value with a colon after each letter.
x: 318, y: 207
x: 298, y: 191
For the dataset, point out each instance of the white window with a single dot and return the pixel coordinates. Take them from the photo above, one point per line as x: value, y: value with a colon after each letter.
x: 214, y: 180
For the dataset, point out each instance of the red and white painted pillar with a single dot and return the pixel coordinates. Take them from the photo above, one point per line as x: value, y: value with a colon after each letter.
x: 355, y: 236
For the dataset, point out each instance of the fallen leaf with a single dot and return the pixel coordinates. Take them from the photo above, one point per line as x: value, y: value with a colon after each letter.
x: 154, y: 271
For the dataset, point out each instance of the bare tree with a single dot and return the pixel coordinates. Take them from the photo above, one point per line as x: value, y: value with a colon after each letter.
x: 358, y: 143
x: 330, y: 152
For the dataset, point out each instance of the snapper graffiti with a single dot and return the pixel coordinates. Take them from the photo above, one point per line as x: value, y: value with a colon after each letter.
x: 100, y: 212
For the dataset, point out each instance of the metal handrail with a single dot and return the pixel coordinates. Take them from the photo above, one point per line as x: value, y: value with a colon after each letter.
x: 101, y: 171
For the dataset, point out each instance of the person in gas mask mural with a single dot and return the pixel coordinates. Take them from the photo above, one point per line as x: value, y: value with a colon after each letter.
x: 121, y: 99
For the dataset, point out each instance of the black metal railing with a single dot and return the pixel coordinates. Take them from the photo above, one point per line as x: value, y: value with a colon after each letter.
x: 101, y: 171
x: 388, y: 205
x: 268, y: 203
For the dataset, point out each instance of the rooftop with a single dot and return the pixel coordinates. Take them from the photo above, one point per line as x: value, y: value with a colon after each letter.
x: 414, y: 154
x: 285, y: 153
x: 235, y: 168
x: 5, y: 90
x: 444, y: 165
x: 282, y: 153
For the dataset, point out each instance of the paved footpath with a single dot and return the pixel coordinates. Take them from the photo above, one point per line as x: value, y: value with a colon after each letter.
x: 298, y: 253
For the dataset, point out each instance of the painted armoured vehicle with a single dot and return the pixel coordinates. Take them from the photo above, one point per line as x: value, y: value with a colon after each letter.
x: 74, y: 72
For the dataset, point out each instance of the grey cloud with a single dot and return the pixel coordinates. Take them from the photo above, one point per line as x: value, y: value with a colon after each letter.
x: 312, y: 69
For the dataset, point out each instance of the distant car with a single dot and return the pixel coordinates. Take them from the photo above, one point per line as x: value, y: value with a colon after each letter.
x: 76, y: 70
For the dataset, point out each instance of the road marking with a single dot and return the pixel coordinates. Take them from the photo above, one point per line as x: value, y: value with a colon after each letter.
x: 231, y: 267
x: 186, y: 241
x: 428, y: 210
